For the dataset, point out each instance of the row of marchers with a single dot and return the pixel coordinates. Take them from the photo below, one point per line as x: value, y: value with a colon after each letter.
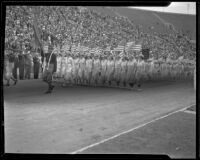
x: 121, y: 71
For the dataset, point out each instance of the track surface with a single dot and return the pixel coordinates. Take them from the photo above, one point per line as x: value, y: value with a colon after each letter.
x: 74, y: 117
x: 174, y: 135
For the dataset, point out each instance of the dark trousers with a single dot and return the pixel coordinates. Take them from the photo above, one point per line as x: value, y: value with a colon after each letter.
x: 15, y: 71
x: 27, y: 71
x: 21, y: 71
x: 36, y: 69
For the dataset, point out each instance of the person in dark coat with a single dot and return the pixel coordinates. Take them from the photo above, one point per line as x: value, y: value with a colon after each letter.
x: 28, y: 63
x: 36, y: 66
x: 49, y: 69
x: 16, y: 66
x: 15, y: 58
x: 21, y: 66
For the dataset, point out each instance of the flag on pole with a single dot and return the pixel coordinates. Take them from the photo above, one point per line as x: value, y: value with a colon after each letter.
x: 129, y: 45
x: 135, y: 47
x: 93, y: 51
x: 119, y: 48
x: 37, y: 33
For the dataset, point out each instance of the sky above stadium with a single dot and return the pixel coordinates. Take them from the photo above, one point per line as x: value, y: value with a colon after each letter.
x: 175, y: 7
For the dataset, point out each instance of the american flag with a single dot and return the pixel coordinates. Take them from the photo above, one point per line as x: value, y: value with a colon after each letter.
x: 134, y: 47
x: 93, y: 50
x: 107, y: 49
x: 119, y: 48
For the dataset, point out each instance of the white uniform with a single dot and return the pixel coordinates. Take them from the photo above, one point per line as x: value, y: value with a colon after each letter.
x: 8, y: 67
x: 68, y: 69
x: 140, y: 71
x: 96, y: 69
x: 63, y: 66
x: 103, y: 70
x: 123, y: 71
x: 58, y: 71
x: 75, y: 68
x: 81, y: 68
x: 88, y: 69
x: 110, y: 70
x: 117, y: 70
x: 151, y: 70
x: 130, y: 71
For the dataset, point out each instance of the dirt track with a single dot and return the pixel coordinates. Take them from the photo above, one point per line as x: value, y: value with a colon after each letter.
x: 74, y: 117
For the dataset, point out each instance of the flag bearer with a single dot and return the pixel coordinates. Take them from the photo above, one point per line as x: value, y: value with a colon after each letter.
x: 51, y: 67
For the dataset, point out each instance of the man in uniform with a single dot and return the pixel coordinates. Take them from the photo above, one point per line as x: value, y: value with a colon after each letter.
x: 51, y: 67
x: 16, y: 66
x: 21, y: 65
x: 28, y: 64
x: 36, y: 65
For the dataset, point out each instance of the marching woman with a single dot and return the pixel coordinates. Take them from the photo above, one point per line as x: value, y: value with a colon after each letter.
x: 68, y: 69
x: 75, y: 67
x: 88, y: 70
x: 123, y: 70
x: 96, y: 69
x: 81, y: 69
x: 140, y: 72
x: 130, y: 71
x: 63, y: 63
x: 103, y: 69
x: 168, y: 65
x: 59, y: 67
x: 51, y: 67
x: 156, y: 70
x: 117, y: 72
x: 151, y: 69
x: 110, y: 69
x: 163, y: 70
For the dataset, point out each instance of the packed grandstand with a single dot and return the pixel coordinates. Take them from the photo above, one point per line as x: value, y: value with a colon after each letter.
x: 102, y: 32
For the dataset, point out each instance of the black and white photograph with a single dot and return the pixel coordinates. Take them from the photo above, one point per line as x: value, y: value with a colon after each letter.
x: 81, y: 79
